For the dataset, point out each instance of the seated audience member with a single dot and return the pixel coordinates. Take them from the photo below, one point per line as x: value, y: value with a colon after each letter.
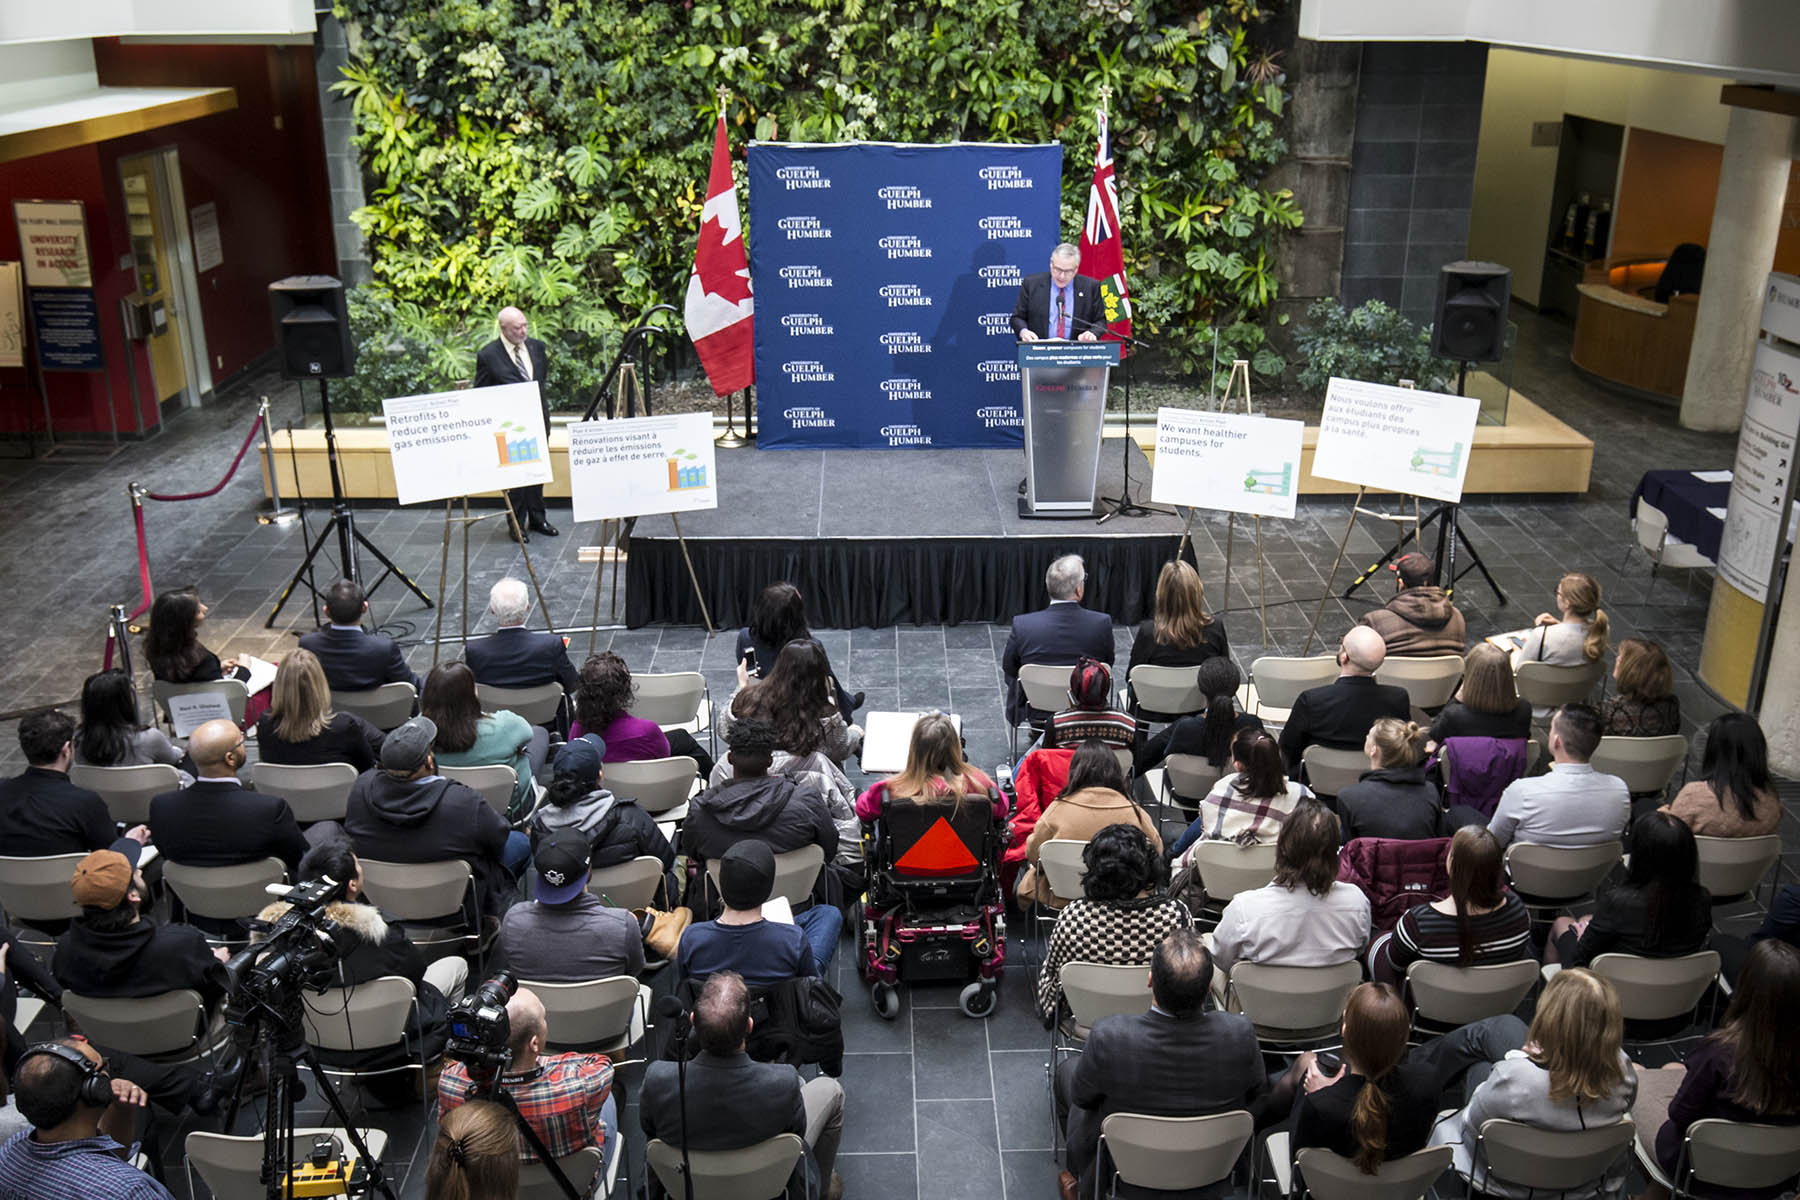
x: 935, y: 771
x: 754, y: 804
x: 1120, y: 920
x: 1249, y: 805
x: 1093, y: 798
x: 742, y: 940
x: 1479, y: 923
x: 79, y: 1145
x: 1339, y: 714
x: 354, y: 660
x: 514, y: 656
x: 41, y: 812
x: 1090, y: 716
x: 566, y: 934
x: 603, y: 708
x: 1568, y: 1072
x: 614, y: 827
x: 20, y: 968
x: 468, y: 737
x: 1175, y: 1060
x: 476, y: 1154
x: 1781, y: 923
x: 733, y: 1102
x: 1644, y: 703
x: 1204, y: 735
x: 777, y: 618
x: 1392, y: 799
x: 1734, y: 796
x: 380, y: 948
x: 1748, y: 1070
x: 1659, y: 911
x: 1182, y: 633
x: 1486, y: 703
x: 566, y: 1098
x: 1304, y: 917
x: 1575, y: 635
x: 172, y: 644
x: 1379, y: 1105
x: 218, y: 822
x: 1573, y: 805
x: 301, y: 730
x: 110, y: 734
x: 794, y: 695
x: 1419, y: 620
x: 1060, y: 634
x: 404, y: 811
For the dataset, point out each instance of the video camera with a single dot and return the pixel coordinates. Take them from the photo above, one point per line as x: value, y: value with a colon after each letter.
x: 479, y: 1028
x: 300, y: 950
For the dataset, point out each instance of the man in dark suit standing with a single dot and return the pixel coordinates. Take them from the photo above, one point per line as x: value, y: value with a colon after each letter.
x: 1173, y: 1061
x: 1058, y: 303
x: 1056, y: 636
x: 515, y: 358
x: 733, y: 1102
x: 218, y: 822
x: 1340, y: 713
x: 354, y: 660
x: 514, y: 656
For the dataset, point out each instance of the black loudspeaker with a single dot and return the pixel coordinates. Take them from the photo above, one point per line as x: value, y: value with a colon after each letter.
x: 1471, y: 311
x: 312, y: 330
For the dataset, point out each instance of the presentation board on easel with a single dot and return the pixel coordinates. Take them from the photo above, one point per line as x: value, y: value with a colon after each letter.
x: 1396, y: 439
x: 449, y: 444
x: 1228, y: 462
x: 642, y: 466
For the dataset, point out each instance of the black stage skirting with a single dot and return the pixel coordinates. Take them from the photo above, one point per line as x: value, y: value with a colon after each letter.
x: 875, y: 538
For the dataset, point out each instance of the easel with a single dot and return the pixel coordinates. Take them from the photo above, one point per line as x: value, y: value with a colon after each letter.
x: 1240, y: 370
x: 465, y: 520
x: 1357, y: 509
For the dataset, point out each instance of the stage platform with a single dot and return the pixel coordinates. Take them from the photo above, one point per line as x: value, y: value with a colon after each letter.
x: 884, y: 537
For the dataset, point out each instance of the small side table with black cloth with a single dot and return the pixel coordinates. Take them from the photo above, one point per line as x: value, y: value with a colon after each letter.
x: 1684, y: 499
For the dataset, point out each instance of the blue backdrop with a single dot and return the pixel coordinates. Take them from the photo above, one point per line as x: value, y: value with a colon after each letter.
x: 885, y: 277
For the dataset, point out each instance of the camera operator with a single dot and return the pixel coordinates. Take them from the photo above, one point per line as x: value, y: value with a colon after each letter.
x: 381, y: 948
x: 565, y: 1098
x: 83, y: 1125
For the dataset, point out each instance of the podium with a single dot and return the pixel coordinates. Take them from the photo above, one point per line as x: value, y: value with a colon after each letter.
x: 1064, y: 391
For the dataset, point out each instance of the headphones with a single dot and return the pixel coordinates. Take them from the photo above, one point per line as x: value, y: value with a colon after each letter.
x: 96, y: 1084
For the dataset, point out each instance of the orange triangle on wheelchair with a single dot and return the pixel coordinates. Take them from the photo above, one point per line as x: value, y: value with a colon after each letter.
x: 939, y: 852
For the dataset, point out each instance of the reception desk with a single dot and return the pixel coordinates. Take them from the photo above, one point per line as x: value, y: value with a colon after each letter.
x: 1624, y: 337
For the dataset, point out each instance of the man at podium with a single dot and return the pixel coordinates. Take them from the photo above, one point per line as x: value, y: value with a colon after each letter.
x: 1058, y: 303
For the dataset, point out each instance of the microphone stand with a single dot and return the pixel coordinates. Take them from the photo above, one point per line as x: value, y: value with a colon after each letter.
x: 1122, y: 505
x: 671, y: 1007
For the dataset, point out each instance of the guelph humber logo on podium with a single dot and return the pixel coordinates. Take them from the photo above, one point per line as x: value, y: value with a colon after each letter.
x: 515, y: 446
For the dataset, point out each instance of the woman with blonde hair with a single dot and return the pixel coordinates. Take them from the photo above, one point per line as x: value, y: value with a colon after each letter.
x: 935, y: 771
x: 1379, y: 1104
x: 1572, y: 636
x: 1486, y: 703
x: 476, y: 1155
x: 1568, y: 1073
x: 300, y: 729
x: 1643, y: 703
x: 1392, y: 799
x: 1182, y: 633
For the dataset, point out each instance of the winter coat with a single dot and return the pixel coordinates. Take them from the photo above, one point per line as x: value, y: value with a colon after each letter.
x: 1395, y: 874
x: 1391, y: 802
x: 1419, y: 620
x: 770, y: 808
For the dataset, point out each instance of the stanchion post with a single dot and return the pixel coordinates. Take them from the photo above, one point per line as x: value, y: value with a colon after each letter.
x: 277, y: 515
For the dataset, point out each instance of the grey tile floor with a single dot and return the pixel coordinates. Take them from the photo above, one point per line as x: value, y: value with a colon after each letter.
x: 939, y: 1105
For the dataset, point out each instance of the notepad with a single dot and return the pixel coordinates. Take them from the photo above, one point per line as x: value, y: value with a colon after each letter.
x: 262, y: 672
x: 777, y: 908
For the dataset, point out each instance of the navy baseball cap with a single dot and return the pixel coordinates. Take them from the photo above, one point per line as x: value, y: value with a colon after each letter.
x: 561, y: 861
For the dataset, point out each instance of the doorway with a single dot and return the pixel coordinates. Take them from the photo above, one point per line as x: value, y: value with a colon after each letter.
x: 162, y: 253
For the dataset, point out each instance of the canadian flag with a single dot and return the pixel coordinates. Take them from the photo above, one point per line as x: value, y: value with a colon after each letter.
x: 719, y: 310
x: 1103, y: 242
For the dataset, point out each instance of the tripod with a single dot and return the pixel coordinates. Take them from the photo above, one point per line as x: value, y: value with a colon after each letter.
x: 276, y: 1027
x: 342, y: 523
x: 486, y: 1078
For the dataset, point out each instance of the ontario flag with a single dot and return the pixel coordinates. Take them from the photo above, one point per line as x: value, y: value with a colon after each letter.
x: 1102, y: 242
x: 719, y: 310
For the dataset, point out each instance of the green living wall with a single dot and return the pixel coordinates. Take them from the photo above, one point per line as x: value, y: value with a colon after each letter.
x: 553, y: 153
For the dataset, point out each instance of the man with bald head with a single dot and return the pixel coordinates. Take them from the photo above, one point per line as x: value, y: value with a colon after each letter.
x: 218, y: 822
x: 1339, y: 714
x: 565, y: 1098
x: 514, y: 357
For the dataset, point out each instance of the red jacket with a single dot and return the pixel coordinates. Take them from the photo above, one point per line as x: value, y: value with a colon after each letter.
x: 1395, y: 874
x: 1040, y: 779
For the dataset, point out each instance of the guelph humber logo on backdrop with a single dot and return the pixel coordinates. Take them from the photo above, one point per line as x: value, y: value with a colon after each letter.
x: 903, y: 196
x: 806, y: 370
x: 1002, y: 275
x: 807, y: 276
x: 905, y: 341
x: 995, y: 324
x: 1004, y: 228
x: 999, y: 416
x: 1001, y: 179
x: 800, y: 229
x: 905, y: 435
x: 905, y: 295
x: 998, y: 370
x: 905, y: 389
x: 807, y: 417
x: 801, y: 179
x: 904, y: 245
x: 806, y: 325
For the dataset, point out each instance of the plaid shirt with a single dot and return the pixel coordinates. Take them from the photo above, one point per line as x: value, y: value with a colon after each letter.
x: 1227, y: 814
x: 560, y: 1098
x: 83, y: 1169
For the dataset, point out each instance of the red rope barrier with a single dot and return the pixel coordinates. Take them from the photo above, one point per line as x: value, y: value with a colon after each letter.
x: 214, y: 489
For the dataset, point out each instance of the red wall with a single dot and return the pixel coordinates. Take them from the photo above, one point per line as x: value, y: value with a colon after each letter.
x: 269, y: 184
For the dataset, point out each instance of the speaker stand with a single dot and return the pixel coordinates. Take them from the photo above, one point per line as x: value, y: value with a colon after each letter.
x: 342, y: 523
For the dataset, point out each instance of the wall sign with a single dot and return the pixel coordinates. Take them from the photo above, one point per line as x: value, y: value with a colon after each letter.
x: 53, y: 240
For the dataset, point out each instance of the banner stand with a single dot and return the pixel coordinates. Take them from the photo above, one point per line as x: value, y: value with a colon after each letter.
x: 465, y: 520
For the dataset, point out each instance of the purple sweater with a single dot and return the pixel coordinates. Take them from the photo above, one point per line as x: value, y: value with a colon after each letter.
x: 629, y: 739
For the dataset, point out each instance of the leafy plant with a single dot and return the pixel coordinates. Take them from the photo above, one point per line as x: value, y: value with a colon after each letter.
x: 1373, y: 343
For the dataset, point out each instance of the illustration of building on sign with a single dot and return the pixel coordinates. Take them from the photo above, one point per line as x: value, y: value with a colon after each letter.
x: 685, y: 471
x: 515, y: 446
x: 1438, y: 462
x: 1270, y: 482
